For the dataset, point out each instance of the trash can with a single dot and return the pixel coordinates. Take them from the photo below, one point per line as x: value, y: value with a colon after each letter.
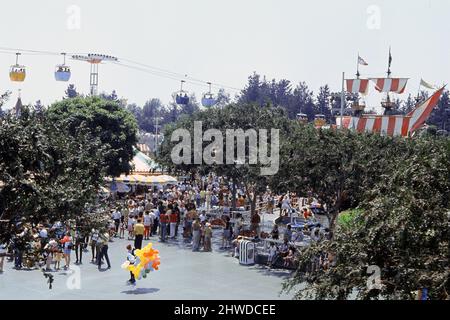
x: 246, y: 253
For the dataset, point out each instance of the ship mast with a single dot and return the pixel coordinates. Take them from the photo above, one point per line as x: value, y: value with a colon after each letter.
x: 357, y: 68
x: 387, y: 104
x: 357, y: 107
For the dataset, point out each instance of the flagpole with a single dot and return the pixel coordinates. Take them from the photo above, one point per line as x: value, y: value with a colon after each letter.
x: 389, y: 63
x: 357, y: 67
x: 342, y: 100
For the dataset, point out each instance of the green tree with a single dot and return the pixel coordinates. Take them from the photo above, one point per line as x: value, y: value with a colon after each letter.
x: 323, y: 102
x: 47, y: 172
x: 234, y: 116
x: 402, y: 228
x: 114, y: 126
x: 3, y: 99
x: 223, y: 98
x: 71, y: 91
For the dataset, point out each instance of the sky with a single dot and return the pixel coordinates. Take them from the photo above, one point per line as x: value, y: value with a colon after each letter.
x: 222, y: 41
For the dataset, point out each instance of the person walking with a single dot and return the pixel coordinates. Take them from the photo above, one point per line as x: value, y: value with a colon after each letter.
x: 116, y: 215
x: 131, y: 258
x: 147, y: 225
x: 139, y: 230
x: 196, y: 229
x: 163, y: 220
x: 226, y: 235
x: 123, y: 226
x: 131, y: 223
x: 79, y: 245
x: 50, y: 249
x: 104, y: 240
x: 67, y: 249
x: 208, y: 236
x: 173, y: 219
x: 156, y: 215
x: 177, y: 211
x: 94, y: 240
x: 19, y: 245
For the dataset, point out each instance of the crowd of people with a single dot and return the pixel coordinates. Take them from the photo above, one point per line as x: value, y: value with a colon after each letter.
x: 51, y: 244
x: 166, y: 214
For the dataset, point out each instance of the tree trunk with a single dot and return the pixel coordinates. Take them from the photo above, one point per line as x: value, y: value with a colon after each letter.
x: 233, y: 196
x: 253, y: 203
x: 335, y: 211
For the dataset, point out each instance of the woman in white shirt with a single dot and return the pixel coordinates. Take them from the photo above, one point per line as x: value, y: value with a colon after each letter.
x: 94, y: 239
x: 147, y: 225
x: 286, y: 205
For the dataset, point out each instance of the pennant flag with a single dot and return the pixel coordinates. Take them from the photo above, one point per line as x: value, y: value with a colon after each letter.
x: 426, y: 84
x: 390, y: 57
x: 361, y: 61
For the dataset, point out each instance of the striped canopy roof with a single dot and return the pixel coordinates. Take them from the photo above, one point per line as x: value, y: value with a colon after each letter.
x: 136, y: 179
x: 143, y: 163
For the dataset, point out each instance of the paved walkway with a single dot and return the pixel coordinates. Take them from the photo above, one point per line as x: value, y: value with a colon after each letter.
x: 183, y: 275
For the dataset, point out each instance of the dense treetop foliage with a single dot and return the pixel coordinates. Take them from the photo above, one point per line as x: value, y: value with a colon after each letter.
x: 114, y: 126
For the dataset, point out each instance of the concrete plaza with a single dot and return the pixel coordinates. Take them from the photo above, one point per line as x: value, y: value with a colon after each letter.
x: 183, y: 275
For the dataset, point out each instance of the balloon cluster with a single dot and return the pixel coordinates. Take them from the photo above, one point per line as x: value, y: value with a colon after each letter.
x: 146, y: 260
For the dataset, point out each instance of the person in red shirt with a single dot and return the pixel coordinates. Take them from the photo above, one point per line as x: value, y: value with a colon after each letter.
x: 306, y: 213
x: 67, y: 246
x: 173, y: 219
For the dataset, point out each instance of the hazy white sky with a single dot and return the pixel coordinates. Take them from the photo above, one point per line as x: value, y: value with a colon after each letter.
x: 224, y: 41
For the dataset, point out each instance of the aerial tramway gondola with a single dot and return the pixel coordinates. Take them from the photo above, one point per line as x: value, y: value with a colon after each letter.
x: 17, y: 72
x: 181, y: 97
x: 302, y: 118
x: 208, y: 99
x: 62, y: 71
x: 320, y: 120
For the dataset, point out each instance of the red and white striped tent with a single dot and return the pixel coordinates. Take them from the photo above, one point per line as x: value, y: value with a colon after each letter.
x: 392, y: 125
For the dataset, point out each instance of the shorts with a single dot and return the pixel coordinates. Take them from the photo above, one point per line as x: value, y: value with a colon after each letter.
x: 67, y: 251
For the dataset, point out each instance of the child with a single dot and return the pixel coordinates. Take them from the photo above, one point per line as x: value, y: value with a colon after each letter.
x: 49, y: 251
x: 131, y: 258
x: 57, y: 257
x: 131, y: 223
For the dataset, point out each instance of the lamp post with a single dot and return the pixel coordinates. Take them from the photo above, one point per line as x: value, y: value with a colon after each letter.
x: 156, y: 133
